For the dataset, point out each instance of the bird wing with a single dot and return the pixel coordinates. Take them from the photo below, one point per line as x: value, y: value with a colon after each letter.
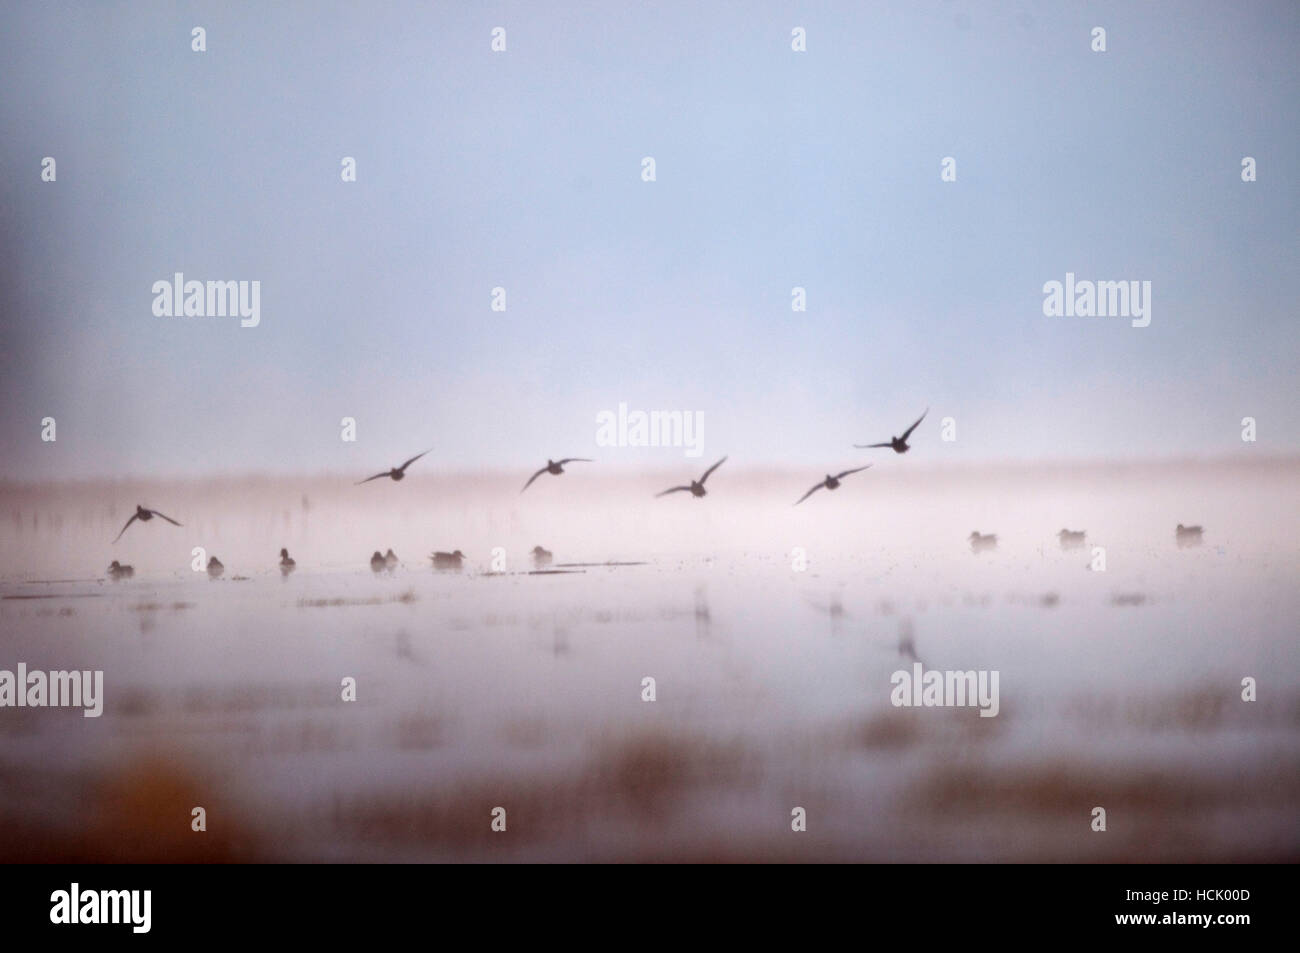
x: 810, y: 493
x: 534, y: 477
x: 711, y: 469
x: 841, y: 476
x: 375, y: 477
x: 908, y: 432
x: 869, y: 446
x: 164, y: 516
x: 673, y: 490
x: 134, y: 517
x: 412, y: 460
x: 575, y: 460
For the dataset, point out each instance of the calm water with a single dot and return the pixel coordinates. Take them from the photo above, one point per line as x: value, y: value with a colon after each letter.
x: 1118, y: 689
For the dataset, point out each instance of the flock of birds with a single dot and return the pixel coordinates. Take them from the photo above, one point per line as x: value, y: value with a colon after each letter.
x: 387, y: 562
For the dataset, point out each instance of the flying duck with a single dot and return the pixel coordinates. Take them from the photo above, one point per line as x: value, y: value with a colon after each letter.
x: 396, y: 473
x: 696, y: 487
x: 144, y: 516
x: 554, y: 466
x: 830, y: 483
x: 897, y: 444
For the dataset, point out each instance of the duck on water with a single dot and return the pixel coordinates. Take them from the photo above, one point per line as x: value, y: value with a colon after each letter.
x: 452, y: 560
x: 117, y: 571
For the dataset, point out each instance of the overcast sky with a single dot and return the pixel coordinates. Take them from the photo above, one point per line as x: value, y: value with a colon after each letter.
x: 523, y: 169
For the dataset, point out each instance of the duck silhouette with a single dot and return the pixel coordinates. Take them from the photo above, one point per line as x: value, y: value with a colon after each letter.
x: 541, y: 557
x: 117, y: 571
x: 452, y: 560
x: 377, y: 562
x: 831, y: 482
x: 1188, y: 535
x: 554, y: 466
x: 390, y: 560
x: 982, y: 543
x: 696, y: 487
x: 287, y: 565
x: 897, y: 444
x: 1071, y: 539
x: 143, y: 515
x: 215, y: 568
x: 396, y: 473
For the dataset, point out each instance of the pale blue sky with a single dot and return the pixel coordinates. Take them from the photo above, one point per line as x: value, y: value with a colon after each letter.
x: 522, y: 169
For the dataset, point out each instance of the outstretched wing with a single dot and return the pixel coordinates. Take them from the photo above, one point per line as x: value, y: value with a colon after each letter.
x: 841, y: 476
x: 412, y: 460
x: 673, y: 490
x: 809, y: 493
x: 534, y: 477
x: 908, y: 432
x: 574, y: 460
x: 375, y: 477
x: 164, y: 516
x: 134, y: 517
x: 711, y: 469
x: 869, y: 446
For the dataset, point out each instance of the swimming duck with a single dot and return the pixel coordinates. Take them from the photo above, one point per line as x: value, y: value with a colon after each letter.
x: 287, y: 564
x: 554, y: 466
x: 396, y: 473
x: 696, y: 487
x: 117, y: 571
x: 448, y: 560
x: 143, y: 515
x: 979, y: 544
x: 215, y: 568
x: 1187, y: 535
x: 1071, y: 539
x: 390, y: 560
x: 897, y: 444
x: 541, y: 557
x: 830, y: 483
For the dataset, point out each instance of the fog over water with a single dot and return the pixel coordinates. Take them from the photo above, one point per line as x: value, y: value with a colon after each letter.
x: 1118, y: 688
